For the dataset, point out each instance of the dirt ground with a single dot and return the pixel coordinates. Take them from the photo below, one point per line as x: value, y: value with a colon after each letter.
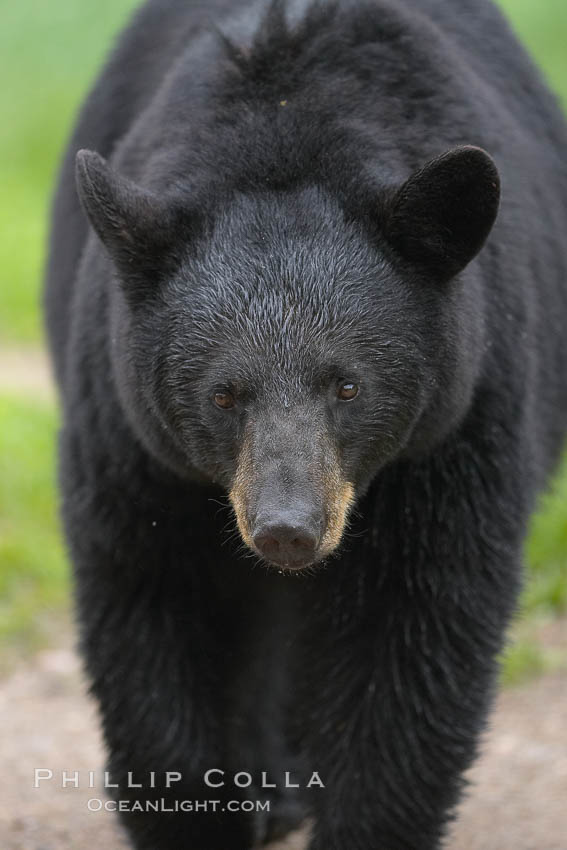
x: 517, y: 801
x: 26, y: 372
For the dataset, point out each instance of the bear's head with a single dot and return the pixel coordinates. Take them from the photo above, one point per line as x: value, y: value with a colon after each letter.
x: 287, y: 349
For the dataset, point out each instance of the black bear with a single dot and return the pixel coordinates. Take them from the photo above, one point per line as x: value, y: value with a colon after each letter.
x: 309, y: 331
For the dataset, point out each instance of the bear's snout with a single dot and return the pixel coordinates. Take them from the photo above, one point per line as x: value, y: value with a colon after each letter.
x: 290, y: 497
x: 286, y: 540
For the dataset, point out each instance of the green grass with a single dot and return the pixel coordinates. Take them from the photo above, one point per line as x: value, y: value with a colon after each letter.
x: 33, y: 571
x: 50, y: 51
x: 545, y: 594
x: 542, y: 27
x: 546, y: 552
x: 527, y: 657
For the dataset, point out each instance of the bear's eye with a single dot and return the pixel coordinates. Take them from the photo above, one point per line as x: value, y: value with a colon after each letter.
x: 224, y: 400
x: 346, y: 391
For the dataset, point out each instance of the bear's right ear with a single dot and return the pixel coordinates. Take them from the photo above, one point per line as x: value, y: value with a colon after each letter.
x: 136, y: 227
x: 441, y: 216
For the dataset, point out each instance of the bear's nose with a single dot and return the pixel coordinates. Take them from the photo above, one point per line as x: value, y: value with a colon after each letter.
x: 286, y: 542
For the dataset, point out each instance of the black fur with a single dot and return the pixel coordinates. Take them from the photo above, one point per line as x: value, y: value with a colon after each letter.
x: 285, y: 199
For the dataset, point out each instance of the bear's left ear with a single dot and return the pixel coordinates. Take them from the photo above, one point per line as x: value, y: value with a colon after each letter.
x: 137, y: 227
x: 441, y: 216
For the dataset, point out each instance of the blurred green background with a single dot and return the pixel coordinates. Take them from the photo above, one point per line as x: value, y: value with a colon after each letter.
x: 50, y: 50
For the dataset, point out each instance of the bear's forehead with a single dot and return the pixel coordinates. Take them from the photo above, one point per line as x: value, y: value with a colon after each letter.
x: 292, y: 286
x: 298, y: 245
x: 277, y: 287
x: 263, y: 315
x: 289, y: 310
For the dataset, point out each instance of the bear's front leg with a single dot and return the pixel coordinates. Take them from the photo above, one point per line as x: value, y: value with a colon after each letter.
x: 157, y: 649
x: 407, y: 668
x: 164, y: 737
x: 391, y: 750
